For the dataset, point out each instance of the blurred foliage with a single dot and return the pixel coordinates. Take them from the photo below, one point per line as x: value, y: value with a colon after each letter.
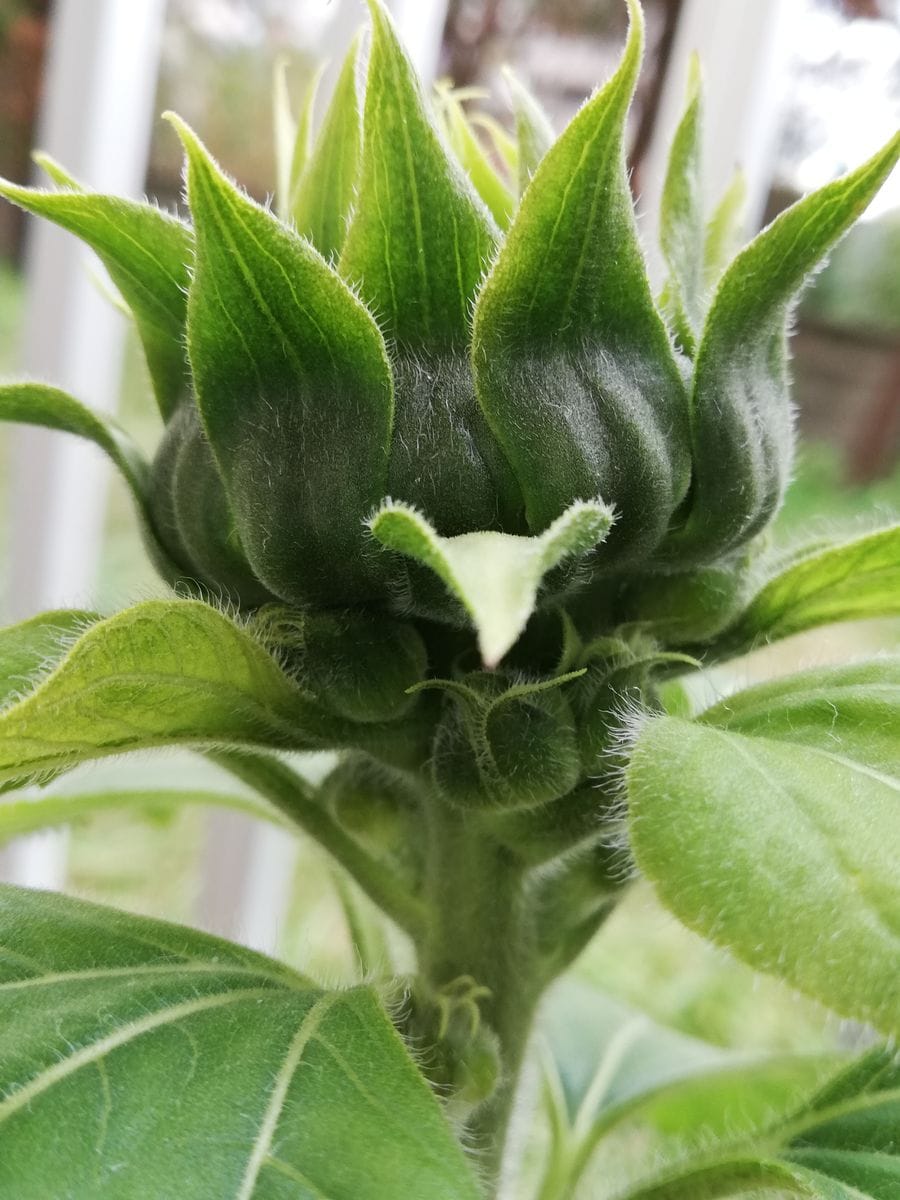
x: 860, y: 287
x: 217, y: 71
x: 820, y: 496
x: 10, y: 309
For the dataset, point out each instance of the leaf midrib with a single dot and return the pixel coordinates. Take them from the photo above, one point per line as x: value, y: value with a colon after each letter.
x: 95, y: 1051
x: 836, y: 1112
x: 872, y: 913
x: 176, y: 967
x: 263, y: 1141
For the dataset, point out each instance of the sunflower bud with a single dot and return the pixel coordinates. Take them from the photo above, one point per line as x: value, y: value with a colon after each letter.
x: 505, y: 745
x: 409, y: 394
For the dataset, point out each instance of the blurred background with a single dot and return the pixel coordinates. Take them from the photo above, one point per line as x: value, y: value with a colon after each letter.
x: 798, y: 92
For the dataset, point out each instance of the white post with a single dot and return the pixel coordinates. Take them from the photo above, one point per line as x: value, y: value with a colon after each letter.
x: 744, y: 51
x: 421, y: 25
x: 99, y: 89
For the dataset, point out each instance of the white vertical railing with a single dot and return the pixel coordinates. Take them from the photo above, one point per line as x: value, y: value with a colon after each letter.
x: 99, y: 86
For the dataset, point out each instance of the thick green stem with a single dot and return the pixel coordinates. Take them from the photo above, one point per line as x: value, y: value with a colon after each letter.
x: 296, y: 798
x: 483, y: 964
x: 480, y: 930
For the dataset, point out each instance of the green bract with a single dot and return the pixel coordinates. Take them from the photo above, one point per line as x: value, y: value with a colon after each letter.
x: 445, y: 490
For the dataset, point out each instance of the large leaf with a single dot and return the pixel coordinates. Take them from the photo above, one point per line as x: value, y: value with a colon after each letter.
x: 849, y: 581
x: 420, y: 235
x: 848, y: 1137
x: 142, y: 1059
x: 147, y: 253
x: 160, y: 673
x: 39, y: 404
x: 324, y: 193
x: 841, y: 1145
x: 573, y: 364
x: 294, y: 389
x: 608, y: 1064
x: 772, y: 826
x: 616, y: 1062
x: 494, y: 576
x: 34, y: 646
x: 741, y: 419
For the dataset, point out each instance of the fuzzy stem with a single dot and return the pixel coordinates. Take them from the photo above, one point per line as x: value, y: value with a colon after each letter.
x: 296, y: 798
x: 480, y: 930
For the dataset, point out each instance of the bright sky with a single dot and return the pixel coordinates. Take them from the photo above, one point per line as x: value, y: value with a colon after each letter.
x: 844, y: 102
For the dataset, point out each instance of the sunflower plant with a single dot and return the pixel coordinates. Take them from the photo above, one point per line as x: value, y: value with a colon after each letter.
x: 446, y: 490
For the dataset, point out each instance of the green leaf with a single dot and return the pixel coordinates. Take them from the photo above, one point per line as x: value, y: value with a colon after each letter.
x: 31, y: 647
x: 840, y: 1145
x: 771, y: 825
x: 681, y: 221
x: 573, y: 364
x: 473, y: 159
x: 724, y: 230
x: 494, y: 576
x: 18, y: 817
x: 294, y: 390
x: 727, y: 1177
x: 165, y: 672
x: 741, y: 419
x: 615, y: 1062
x: 142, y: 1059
x: 534, y: 133
x: 38, y: 404
x: 420, y: 236
x: 323, y: 195
x: 147, y: 253
x: 850, y: 581
x: 609, y: 1065
x: 846, y: 1138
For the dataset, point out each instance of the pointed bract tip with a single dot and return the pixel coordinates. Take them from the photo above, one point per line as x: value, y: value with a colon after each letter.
x: 893, y: 146
x: 181, y: 127
x: 11, y: 190
x: 378, y: 13
x: 633, y: 54
x: 57, y: 172
x: 198, y: 157
x: 694, y: 78
x: 635, y: 20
